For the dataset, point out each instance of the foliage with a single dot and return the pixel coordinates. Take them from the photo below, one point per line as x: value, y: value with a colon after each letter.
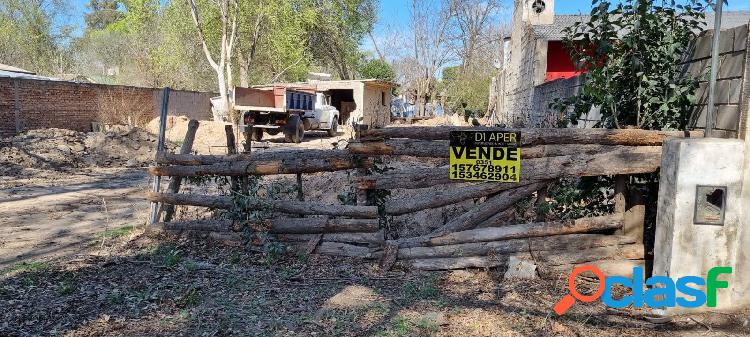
x: 336, y: 31
x: 578, y: 198
x: 631, y: 54
x: 31, y: 36
x: 102, y: 13
x: 377, y: 68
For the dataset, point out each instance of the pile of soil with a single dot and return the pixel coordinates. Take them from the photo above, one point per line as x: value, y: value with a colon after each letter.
x: 60, y: 149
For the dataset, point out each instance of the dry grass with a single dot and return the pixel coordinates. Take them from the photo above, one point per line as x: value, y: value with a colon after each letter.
x: 176, y: 287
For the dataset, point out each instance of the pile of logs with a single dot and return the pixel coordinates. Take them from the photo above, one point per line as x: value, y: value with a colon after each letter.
x: 353, y: 230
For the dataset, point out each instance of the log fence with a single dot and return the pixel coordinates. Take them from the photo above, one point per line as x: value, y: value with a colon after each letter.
x: 608, y: 241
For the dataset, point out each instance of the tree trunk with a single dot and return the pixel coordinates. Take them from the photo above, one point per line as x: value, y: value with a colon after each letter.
x: 548, y: 243
x: 536, y: 229
x: 631, y: 137
x: 283, y: 206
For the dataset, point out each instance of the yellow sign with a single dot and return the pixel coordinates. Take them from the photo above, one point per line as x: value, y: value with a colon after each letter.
x: 485, y: 156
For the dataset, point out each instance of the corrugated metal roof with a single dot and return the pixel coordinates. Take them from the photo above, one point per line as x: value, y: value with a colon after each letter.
x: 555, y: 31
x: 28, y: 76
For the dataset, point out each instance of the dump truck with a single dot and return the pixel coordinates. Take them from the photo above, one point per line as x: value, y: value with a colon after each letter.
x: 288, y: 109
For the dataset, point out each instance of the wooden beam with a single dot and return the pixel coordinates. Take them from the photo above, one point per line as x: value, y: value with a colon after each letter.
x: 282, y: 225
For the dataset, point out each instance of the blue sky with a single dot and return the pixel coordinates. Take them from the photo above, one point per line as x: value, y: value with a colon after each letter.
x: 395, y: 13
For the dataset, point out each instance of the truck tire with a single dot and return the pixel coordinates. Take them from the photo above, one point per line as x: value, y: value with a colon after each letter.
x: 294, y: 131
x: 334, y: 127
x: 256, y: 135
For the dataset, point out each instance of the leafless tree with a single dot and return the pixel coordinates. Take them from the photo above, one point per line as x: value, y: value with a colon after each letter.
x: 430, y: 22
x: 229, y: 12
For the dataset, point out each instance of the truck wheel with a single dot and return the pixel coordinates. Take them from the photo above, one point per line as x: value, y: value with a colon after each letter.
x: 334, y: 127
x: 294, y: 131
x: 256, y: 135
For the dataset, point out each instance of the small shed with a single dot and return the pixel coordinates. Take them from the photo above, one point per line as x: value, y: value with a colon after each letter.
x: 359, y: 101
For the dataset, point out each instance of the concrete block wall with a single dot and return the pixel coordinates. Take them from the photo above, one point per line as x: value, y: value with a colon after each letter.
x: 35, y: 104
x: 733, y: 52
x: 542, y: 115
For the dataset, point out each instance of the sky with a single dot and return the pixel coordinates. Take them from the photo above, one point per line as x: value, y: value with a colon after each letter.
x: 394, y: 14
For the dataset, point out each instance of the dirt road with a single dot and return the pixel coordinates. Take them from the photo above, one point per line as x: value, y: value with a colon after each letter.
x: 58, y: 214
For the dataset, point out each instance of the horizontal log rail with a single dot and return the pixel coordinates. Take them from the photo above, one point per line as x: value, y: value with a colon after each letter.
x: 554, y: 243
x: 529, y: 230
x: 549, y: 259
x: 631, y: 137
x: 283, y: 206
x: 622, y: 160
x: 167, y: 158
x: 281, y: 225
x: 439, y: 148
x: 287, y: 165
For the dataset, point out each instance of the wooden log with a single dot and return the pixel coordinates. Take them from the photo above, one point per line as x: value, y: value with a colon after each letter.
x: 536, y: 229
x: 556, y: 258
x: 176, y: 182
x: 281, y: 225
x: 336, y: 160
x: 631, y: 137
x: 440, y: 149
x: 450, y: 263
x: 558, y: 242
x: 283, y: 206
x: 377, y: 238
x: 622, y: 160
x: 596, y: 255
x: 269, y: 155
x: 343, y: 249
x: 485, y: 210
x: 620, y: 267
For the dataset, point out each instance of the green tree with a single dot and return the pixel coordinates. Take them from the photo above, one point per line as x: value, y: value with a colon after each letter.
x: 31, y: 36
x: 338, y: 28
x: 102, y: 13
x: 631, y: 53
x: 377, y: 68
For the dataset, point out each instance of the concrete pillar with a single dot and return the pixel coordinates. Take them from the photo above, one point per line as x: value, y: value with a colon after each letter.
x: 683, y: 245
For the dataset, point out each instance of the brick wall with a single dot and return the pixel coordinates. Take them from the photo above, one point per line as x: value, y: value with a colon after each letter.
x: 33, y: 104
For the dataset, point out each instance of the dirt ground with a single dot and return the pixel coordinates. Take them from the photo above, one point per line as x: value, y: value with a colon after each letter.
x: 75, y: 260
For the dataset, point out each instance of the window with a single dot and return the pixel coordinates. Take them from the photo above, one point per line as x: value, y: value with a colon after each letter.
x: 382, y: 98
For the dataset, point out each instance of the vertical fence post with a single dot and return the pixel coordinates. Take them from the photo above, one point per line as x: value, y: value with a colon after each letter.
x: 715, y: 50
x: 156, y: 183
x: 175, y: 182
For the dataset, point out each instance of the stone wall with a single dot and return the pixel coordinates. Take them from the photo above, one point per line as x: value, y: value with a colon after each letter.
x: 35, y: 104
